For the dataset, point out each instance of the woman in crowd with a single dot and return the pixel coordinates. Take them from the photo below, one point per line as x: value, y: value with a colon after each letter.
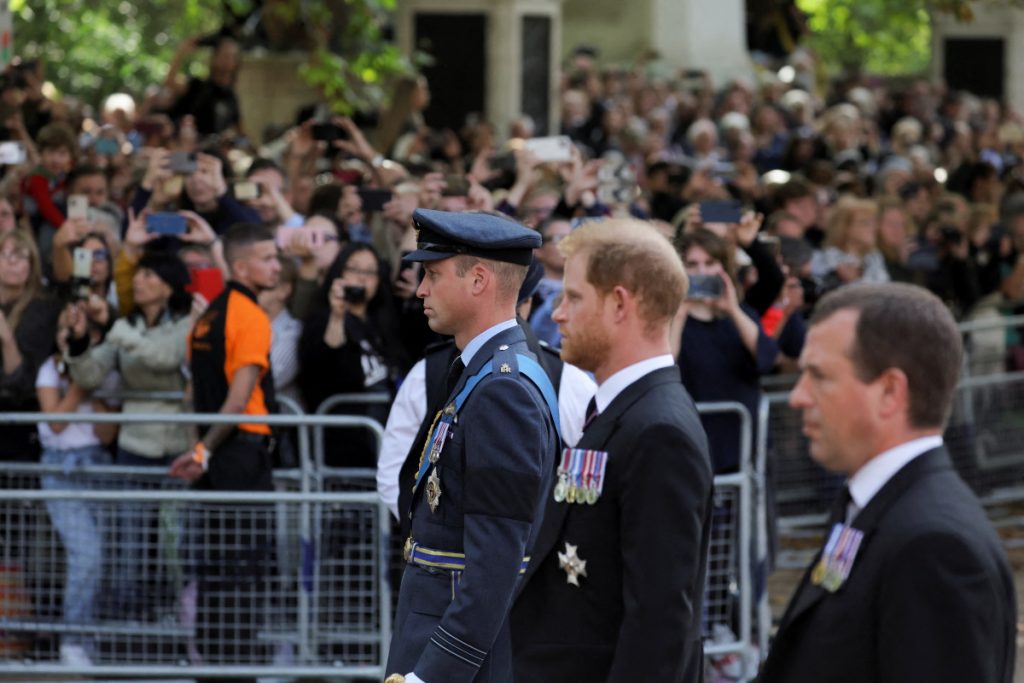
x: 350, y: 344
x: 851, y: 246
x: 722, y: 351
x: 73, y: 448
x: 148, y: 348
x: 28, y: 319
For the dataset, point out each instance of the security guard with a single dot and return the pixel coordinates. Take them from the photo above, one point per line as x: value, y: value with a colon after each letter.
x: 489, y: 456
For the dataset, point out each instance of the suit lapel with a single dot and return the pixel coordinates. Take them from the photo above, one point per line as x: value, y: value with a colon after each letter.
x: 596, y: 438
x: 868, y: 520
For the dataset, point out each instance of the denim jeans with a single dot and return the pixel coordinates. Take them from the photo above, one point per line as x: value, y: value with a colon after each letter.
x: 80, y: 525
x: 136, y: 577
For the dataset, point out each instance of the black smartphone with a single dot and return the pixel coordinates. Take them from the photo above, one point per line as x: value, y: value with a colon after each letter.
x: 704, y: 287
x: 502, y: 162
x: 328, y: 132
x: 727, y: 211
x: 354, y: 294
x: 374, y: 199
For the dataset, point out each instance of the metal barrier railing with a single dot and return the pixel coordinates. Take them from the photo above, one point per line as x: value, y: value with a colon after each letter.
x: 280, y: 613
x: 728, y: 611
x: 323, y: 582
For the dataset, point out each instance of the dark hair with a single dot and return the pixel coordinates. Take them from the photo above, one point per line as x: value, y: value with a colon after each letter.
x: 242, y: 235
x: 716, y: 247
x: 793, y: 189
x: 84, y: 171
x: 261, y: 164
x: 325, y: 199
x: 169, y: 268
x: 55, y: 136
x: 380, y: 310
x: 905, y: 327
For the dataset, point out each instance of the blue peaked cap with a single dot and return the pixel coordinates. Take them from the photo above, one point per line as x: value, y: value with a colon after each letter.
x: 443, y: 234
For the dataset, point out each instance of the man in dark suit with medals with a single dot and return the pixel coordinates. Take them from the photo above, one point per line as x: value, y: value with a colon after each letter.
x: 615, y: 583
x: 912, y: 583
x: 486, y: 459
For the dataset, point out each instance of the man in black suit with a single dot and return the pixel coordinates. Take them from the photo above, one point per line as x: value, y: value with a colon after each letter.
x: 913, y: 583
x: 614, y: 588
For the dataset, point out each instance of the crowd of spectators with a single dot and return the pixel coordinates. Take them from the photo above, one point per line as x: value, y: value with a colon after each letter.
x: 871, y: 180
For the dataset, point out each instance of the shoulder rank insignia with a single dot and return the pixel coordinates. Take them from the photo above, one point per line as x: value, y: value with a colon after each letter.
x: 506, y: 368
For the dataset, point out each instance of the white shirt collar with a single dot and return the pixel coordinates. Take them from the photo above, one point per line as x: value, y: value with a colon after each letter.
x: 869, y: 479
x: 479, y: 340
x: 614, y: 385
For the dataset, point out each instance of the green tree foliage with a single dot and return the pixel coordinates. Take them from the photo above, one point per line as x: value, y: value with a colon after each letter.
x: 887, y: 37
x: 95, y: 47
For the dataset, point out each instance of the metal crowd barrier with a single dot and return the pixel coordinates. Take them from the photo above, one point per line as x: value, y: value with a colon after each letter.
x: 186, y: 582
x: 320, y: 604
x: 729, y: 592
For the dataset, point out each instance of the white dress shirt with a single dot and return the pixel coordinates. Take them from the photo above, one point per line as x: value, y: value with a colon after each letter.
x: 617, y: 383
x: 876, y: 473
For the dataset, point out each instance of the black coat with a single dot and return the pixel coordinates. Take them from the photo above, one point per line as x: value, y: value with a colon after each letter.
x: 929, y: 597
x: 636, y: 615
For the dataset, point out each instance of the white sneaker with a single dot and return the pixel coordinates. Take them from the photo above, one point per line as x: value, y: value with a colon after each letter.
x: 74, y: 656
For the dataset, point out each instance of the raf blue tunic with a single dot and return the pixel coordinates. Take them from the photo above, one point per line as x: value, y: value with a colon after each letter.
x: 497, y: 461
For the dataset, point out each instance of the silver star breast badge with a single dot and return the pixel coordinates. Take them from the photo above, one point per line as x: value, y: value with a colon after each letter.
x: 573, y: 565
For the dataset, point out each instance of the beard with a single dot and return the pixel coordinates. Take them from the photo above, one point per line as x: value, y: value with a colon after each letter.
x: 586, y: 348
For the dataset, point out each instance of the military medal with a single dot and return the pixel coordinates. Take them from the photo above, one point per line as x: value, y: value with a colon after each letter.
x: 597, y: 481
x: 580, y: 476
x: 562, y: 487
x: 573, y: 565
x: 433, y: 490
x: 833, y: 568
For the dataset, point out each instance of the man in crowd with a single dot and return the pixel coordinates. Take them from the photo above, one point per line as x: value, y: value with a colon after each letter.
x: 486, y: 462
x: 552, y: 232
x: 912, y: 584
x: 615, y: 583
x: 230, y: 351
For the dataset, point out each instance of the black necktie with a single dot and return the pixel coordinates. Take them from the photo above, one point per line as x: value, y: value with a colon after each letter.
x: 454, y: 373
x: 591, y: 412
x: 839, y: 508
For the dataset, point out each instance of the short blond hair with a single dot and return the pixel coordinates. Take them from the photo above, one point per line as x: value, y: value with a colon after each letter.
x: 635, y: 255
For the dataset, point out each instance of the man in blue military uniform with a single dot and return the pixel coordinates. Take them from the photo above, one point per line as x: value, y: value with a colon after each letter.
x: 489, y: 456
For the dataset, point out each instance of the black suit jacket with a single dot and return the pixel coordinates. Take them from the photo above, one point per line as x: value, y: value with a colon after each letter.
x: 636, y: 615
x: 930, y: 596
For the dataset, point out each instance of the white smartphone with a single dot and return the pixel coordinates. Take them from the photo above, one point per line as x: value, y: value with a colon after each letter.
x: 82, y: 267
x: 12, y: 153
x: 554, y: 148
x: 78, y: 207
